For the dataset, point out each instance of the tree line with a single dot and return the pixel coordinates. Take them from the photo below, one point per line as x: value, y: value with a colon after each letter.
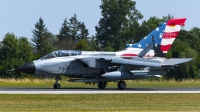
x: 118, y: 26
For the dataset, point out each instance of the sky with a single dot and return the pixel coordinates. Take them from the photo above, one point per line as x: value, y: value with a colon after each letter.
x: 20, y: 16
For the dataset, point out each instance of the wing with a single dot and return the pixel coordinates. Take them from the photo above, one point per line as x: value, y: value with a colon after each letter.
x: 137, y: 62
x: 142, y: 62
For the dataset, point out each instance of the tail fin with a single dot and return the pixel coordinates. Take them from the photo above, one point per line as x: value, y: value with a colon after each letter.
x: 164, y: 36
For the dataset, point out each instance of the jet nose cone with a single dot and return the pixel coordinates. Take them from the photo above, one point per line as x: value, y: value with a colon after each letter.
x: 28, y: 68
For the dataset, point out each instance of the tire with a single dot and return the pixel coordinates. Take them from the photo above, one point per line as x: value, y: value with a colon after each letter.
x: 102, y: 85
x: 121, y: 85
x: 56, y: 86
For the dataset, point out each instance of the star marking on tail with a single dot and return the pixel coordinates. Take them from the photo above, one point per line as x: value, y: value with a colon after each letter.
x: 139, y: 45
x: 157, y: 29
x: 160, y: 35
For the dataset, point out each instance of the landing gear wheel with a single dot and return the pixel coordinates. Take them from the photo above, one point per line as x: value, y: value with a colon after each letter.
x: 102, y: 85
x: 56, y: 86
x: 121, y: 85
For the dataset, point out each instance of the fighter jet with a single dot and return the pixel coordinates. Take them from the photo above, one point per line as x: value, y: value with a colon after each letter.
x: 135, y: 62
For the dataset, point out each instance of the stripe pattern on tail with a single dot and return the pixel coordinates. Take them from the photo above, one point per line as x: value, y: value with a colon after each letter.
x: 164, y: 36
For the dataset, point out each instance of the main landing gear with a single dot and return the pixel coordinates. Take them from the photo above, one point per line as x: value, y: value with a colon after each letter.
x: 102, y: 85
x: 121, y: 85
x: 56, y: 85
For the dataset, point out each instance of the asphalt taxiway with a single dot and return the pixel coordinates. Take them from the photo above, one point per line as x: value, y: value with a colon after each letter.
x: 95, y: 90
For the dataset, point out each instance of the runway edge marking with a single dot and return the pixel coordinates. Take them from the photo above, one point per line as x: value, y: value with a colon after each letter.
x: 94, y: 92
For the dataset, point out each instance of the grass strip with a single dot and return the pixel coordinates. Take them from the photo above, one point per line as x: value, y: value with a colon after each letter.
x: 101, y: 102
x: 48, y: 83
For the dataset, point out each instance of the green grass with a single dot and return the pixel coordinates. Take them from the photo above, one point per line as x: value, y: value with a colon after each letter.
x: 101, y: 102
x: 48, y: 83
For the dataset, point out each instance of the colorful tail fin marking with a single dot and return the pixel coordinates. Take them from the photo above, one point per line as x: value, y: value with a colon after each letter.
x: 164, y: 35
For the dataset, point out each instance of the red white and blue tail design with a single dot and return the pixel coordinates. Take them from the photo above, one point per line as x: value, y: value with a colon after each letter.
x: 171, y: 31
x: 164, y: 36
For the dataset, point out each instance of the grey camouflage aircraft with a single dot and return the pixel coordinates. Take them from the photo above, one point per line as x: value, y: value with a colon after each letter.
x: 135, y: 62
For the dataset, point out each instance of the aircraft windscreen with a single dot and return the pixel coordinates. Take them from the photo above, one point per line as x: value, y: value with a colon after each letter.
x: 49, y: 56
x: 62, y: 53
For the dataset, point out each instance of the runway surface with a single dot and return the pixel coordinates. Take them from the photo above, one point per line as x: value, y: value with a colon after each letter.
x: 95, y: 90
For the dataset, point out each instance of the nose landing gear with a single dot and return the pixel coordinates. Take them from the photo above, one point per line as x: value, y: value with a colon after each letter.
x: 56, y: 84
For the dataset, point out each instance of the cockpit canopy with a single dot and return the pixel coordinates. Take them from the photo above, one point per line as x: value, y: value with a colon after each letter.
x: 61, y: 53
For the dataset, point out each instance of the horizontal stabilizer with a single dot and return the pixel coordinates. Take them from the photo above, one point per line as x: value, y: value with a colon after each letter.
x: 175, y: 61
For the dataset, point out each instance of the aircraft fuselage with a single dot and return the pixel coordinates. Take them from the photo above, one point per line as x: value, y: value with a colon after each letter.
x: 65, y: 66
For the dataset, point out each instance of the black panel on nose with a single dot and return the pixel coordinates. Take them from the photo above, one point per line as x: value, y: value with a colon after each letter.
x: 28, y: 68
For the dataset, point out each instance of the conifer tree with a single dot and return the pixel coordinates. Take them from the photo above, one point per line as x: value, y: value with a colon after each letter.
x: 40, y: 35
